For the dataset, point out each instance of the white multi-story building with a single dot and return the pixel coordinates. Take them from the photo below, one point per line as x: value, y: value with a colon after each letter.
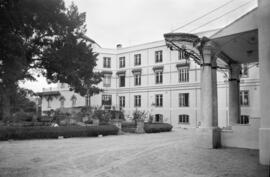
x: 152, y: 78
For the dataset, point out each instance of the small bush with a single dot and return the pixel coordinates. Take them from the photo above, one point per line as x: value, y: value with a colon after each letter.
x: 157, y: 127
x: 128, y: 124
x: 23, y: 116
x: 54, y: 132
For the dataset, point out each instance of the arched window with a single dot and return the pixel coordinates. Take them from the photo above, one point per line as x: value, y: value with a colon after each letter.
x: 49, y: 100
x: 62, y: 101
x: 73, y: 100
x: 159, y: 118
x: 183, y: 119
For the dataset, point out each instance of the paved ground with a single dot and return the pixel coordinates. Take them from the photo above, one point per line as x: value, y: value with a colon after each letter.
x: 148, y: 155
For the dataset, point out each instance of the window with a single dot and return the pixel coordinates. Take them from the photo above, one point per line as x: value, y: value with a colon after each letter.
x: 137, y: 100
x: 183, y: 74
x: 107, y: 80
x: 183, y: 100
x: 158, y: 56
x: 182, y: 55
x: 62, y: 101
x: 106, y: 62
x: 244, y: 100
x: 244, y: 70
x: 49, y: 103
x: 106, y: 100
x: 244, y: 119
x: 183, y: 119
x: 159, y: 77
x: 137, y: 79
x: 122, y: 79
x: 87, y: 100
x: 122, y: 102
x: 137, y: 59
x: 159, y: 100
x: 73, y: 100
x: 159, y: 118
x: 122, y: 62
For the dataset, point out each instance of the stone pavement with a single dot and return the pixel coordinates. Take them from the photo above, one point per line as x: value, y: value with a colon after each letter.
x: 171, y: 154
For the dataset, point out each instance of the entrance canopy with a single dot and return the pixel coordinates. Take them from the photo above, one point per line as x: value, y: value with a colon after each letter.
x: 239, y: 40
x: 235, y: 43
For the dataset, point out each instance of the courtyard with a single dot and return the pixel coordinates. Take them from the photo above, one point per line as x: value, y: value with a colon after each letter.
x: 171, y: 154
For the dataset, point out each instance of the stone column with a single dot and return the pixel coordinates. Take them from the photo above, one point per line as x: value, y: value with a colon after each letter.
x: 234, y: 91
x: 208, y: 133
x: 264, y: 63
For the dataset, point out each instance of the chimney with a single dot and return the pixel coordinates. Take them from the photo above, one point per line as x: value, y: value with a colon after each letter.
x: 119, y: 46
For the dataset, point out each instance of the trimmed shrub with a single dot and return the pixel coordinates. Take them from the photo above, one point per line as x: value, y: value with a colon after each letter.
x: 54, y: 132
x: 157, y: 127
x: 128, y: 125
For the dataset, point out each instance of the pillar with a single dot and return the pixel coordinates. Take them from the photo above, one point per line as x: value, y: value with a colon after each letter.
x: 208, y: 89
x: 264, y: 63
x: 234, y: 93
x: 209, y: 133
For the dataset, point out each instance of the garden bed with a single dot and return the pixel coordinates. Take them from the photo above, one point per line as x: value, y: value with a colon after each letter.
x: 54, y: 132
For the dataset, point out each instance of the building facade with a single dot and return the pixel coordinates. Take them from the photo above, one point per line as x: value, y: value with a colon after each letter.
x: 150, y: 77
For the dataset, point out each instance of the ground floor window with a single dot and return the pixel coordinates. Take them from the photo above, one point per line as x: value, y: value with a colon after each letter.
x: 183, y: 99
x: 106, y: 100
x: 183, y: 119
x: 122, y: 101
x: 244, y: 119
x: 159, y: 118
x: 137, y: 101
x: 159, y: 100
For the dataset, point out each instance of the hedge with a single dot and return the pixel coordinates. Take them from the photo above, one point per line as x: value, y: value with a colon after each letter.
x: 128, y: 124
x: 157, y: 127
x: 21, y: 133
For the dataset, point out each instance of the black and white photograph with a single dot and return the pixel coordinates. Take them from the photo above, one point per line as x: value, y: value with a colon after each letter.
x: 134, y: 88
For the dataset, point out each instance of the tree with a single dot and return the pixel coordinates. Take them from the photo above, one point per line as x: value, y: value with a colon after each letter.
x: 46, y: 37
x: 20, y: 101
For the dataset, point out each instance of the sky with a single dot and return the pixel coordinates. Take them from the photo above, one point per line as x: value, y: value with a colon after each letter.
x: 132, y: 22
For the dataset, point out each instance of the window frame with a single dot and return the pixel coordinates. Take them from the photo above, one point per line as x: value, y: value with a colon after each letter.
x: 244, y: 71
x: 182, y: 55
x: 122, y: 101
x: 183, y: 100
x: 122, y: 62
x: 183, y: 119
x: 137, y: 101
x: 106, y: 98
x: 107, y: 78
x: 106, y: 62
x: 159, y: 76
x: 159, y: 56
x: 137, y: 79
x: 243, y: 120
x: 183, y: 74
x: 242, y: 95
x: 159, y: 100
x: 122, y: 83
x: 137, y: 59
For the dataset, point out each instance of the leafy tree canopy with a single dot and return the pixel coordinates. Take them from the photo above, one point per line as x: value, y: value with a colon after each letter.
x: 44, y: 36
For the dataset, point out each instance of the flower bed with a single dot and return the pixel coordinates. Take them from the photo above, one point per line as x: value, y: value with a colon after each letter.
x: 54, y: 132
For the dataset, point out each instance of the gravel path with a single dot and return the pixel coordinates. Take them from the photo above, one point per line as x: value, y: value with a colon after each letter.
x: 146, y: 155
